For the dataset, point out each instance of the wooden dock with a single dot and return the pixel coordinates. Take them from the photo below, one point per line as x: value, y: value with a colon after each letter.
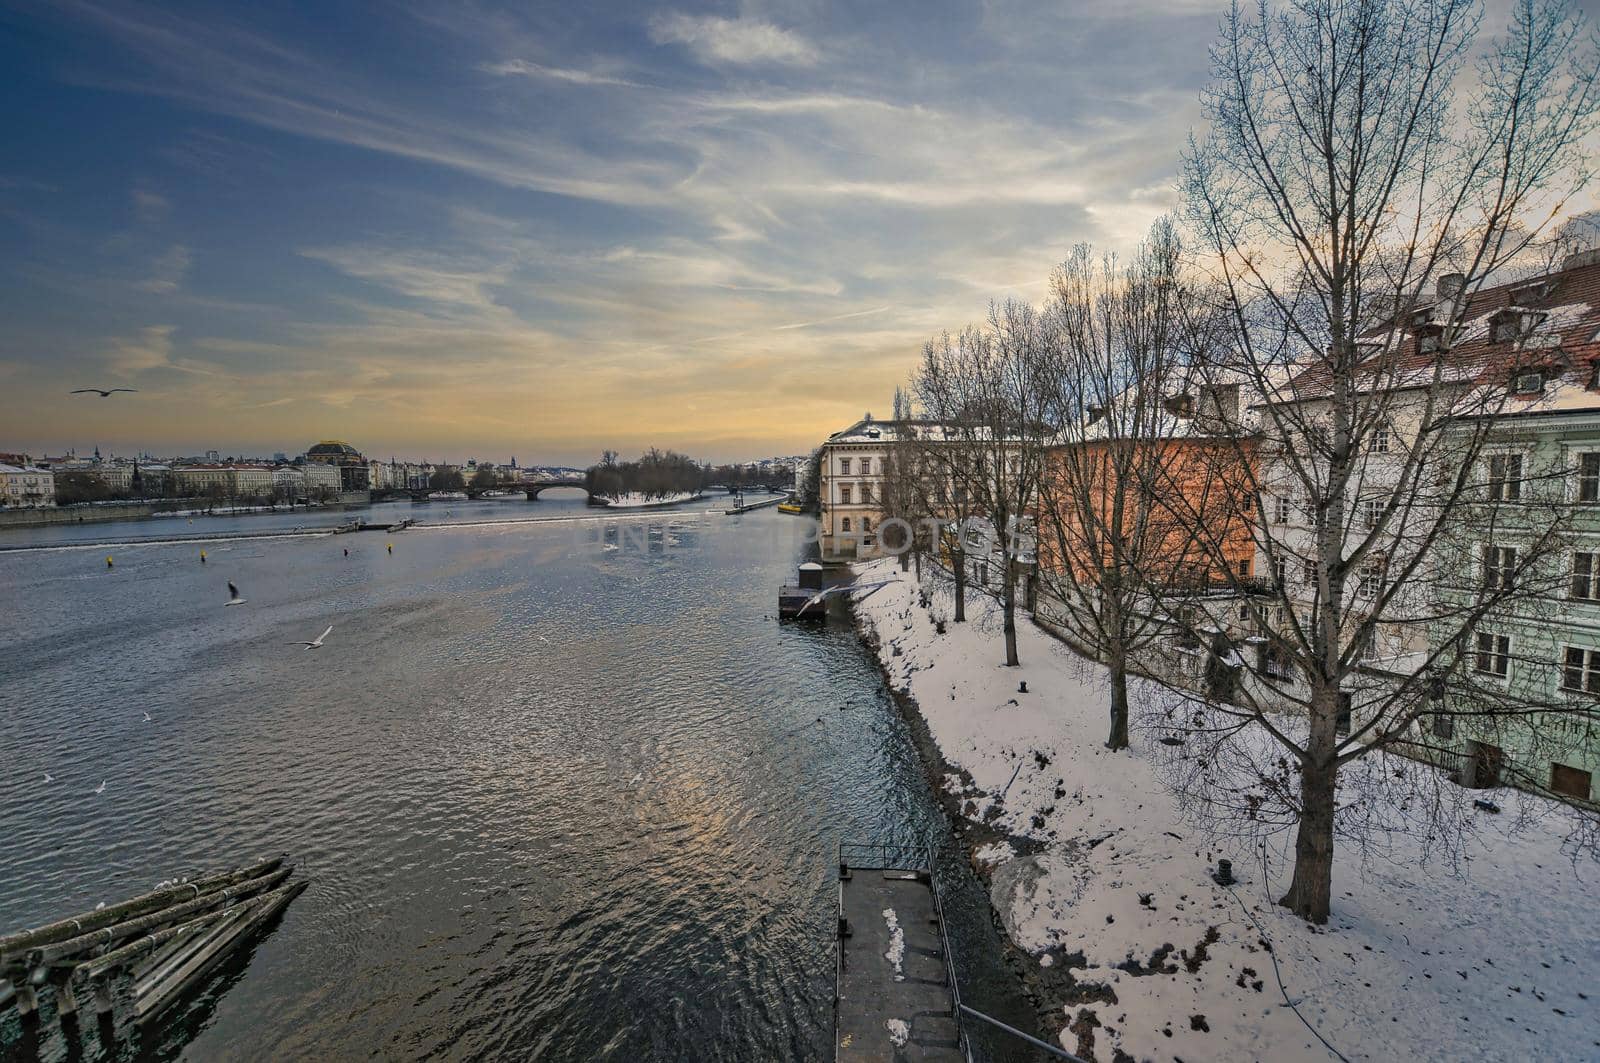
x: 156, y: 946
x: 775, y: 500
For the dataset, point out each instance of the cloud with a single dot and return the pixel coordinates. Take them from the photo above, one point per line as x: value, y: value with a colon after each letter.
x: 741, y: 41
x: 525, y: 68
x: 150, y: 207
x: 150, y: 349
x: 167, y: 271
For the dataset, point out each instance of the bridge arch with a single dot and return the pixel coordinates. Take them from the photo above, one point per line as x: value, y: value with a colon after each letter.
x: 532, y: 490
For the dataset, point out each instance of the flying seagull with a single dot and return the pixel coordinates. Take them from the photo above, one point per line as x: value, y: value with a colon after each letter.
x: 49, y: 778
x: 317, y: 643
x: 843, y: 588
x: 101, y: 788
x: 233, y: 595
x: 104, y: 393
x: 147, y: 718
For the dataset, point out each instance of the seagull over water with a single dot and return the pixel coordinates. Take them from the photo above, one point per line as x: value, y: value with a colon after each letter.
x: 49, y: 778
x: 315, y: 644
x: 843, y: 588
x: 147, y: 718
x: 233, y: 595
x: 104, y: 393
x: 101, y: 788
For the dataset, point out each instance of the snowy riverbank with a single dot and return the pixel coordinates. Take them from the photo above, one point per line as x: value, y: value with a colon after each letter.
x: 1108, y: 887
x: 638, y: 500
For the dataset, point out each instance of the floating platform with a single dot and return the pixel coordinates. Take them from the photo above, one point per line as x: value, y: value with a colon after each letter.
x: 894, y: 990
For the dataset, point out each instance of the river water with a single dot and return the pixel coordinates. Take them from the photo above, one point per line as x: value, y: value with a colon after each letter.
x: 563, y: 789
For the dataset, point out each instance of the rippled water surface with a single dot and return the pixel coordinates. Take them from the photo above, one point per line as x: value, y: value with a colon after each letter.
x: 562, y: 792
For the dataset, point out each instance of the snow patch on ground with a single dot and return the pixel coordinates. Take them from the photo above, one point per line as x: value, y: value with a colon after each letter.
x: 897, y: 944
x: 899, y: 1031
x: 636, y: 500
x: 1498, y: 961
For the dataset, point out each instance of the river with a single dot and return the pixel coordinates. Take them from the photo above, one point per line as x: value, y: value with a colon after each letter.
x: 563, y: 789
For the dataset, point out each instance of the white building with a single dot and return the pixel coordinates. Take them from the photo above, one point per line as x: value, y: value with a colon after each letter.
x: 26, y: 487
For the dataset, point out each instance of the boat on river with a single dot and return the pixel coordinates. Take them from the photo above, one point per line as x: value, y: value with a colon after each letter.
x: 347, y: 526
x: 791, y: 507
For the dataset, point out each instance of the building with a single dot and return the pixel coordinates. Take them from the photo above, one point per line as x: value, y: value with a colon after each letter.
x: 354, y: 473
x: 850, y: 489
x: 26, y: 487
x: 1539, y: 343
x: 230, y: 481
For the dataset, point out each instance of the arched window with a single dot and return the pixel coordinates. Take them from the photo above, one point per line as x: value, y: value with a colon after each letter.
x: 866, y: 525
x: 846, y: 524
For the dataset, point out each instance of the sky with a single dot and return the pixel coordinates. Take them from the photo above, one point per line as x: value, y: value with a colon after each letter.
x: 540, y: 230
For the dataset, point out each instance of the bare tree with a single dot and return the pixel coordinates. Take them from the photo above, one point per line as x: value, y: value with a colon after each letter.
x: 982, y: 391
x: 1114, y: 555
x: 1354, y: 153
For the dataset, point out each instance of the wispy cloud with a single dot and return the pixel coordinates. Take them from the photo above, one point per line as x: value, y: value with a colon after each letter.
x: 167, y: 271
x: 740, y: 41
x: 529, y: 69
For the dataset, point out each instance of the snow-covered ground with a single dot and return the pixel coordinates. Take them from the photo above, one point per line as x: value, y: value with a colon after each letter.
x: 637, y: 500
x: 1495, y: 958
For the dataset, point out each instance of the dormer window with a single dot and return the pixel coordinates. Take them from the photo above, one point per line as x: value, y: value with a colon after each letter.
x: 1181, y: 405
x: 1529, y: 294
x: 1428, y: 337
x: 1421, y: 317
x: 1528, y: 382
x: 1509, y: 326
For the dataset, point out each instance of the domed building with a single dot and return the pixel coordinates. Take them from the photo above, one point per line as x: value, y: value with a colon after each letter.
x: 354, y: 474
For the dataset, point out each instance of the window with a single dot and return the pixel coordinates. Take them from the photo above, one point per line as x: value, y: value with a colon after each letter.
x: 1371, y: 580
x: 1589, y: 477
x: 845, y: 524
x: 1586, y: 577
x: 844, y: 466
x: 866, y: 492
x: 1529, y: 383
x: 1310, y: 572
x: 1280, y: 511
x: 844, y: 494
x: 1427, y: 341
x: 1499, y: 564
x: 1505, y: 477
x: 866, y: 525
x: 1366, y: 642
x: 1580, y: 670
x: 1244, y: 568
x: 1280, y: 571
x: 1371, y: 512
x: 1494, y: 654
x: 866, y: 466
x: 1444, y: 725
x: 1570, y: 782
x: 1380, y: 441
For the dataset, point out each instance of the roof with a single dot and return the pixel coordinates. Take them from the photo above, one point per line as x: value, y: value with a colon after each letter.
x: 23, y: 468
x: 1557, y: 321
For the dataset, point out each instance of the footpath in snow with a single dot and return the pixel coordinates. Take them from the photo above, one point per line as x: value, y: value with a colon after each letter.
x: 1107, y: 887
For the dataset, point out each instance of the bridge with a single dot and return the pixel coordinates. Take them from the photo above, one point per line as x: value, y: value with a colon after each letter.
x: 532, y: 488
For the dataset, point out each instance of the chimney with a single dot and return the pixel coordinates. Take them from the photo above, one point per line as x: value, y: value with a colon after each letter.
x: 1450, y: 285
x: 1590, y: 257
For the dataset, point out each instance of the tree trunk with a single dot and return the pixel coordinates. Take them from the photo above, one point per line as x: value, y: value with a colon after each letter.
x: 1009, y: 604
x: 1311, y: 890
x: 958, y: 561
x: 1119, y: 700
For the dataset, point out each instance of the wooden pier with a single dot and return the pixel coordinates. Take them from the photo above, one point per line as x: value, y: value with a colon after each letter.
x: 155, y: 946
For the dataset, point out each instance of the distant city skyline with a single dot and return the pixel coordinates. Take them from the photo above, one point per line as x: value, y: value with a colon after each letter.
x: 554, y: 230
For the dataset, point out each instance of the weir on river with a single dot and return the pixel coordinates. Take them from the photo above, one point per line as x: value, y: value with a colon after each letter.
x: 557, y: 798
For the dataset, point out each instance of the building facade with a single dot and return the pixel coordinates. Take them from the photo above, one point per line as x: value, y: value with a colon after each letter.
x: 26, y: 487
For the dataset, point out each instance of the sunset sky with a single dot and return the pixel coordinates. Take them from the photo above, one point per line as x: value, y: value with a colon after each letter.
x: 462, y: 230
